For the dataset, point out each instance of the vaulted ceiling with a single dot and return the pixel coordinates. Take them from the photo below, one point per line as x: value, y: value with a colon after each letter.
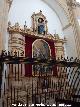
x: 61, y: 9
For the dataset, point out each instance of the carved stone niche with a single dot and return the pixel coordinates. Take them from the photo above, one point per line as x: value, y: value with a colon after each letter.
x: 39, y: 23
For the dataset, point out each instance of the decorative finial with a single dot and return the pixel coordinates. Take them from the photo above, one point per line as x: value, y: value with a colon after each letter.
x: 17, y: 24
x: 25, y: 23
x: 9, y: 24
x: 25, y: 27
x: 40, y: 11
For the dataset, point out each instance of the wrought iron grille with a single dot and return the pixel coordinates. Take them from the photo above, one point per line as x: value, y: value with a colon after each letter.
x: 41, y: 87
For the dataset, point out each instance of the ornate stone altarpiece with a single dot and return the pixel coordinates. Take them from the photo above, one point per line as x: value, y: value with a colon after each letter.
x: 38, y: 29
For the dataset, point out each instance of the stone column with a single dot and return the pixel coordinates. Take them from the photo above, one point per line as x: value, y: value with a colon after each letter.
x: 4, y: 9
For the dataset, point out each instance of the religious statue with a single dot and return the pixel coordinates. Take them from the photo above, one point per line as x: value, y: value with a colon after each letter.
x: 39, y: 23
x: 41, y: 27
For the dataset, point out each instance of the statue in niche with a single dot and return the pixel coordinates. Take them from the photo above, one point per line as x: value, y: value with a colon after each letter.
x: 39, y: 23
x: 41, y: 27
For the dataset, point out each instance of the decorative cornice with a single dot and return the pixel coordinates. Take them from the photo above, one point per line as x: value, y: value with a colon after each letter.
x: 16, y: 29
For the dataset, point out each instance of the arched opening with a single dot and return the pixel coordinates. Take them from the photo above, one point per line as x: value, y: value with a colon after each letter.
x: 47, y: 50
x: 41, y: 50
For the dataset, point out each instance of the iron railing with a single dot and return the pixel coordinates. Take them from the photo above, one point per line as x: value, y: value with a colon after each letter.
x: 41, y: 87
